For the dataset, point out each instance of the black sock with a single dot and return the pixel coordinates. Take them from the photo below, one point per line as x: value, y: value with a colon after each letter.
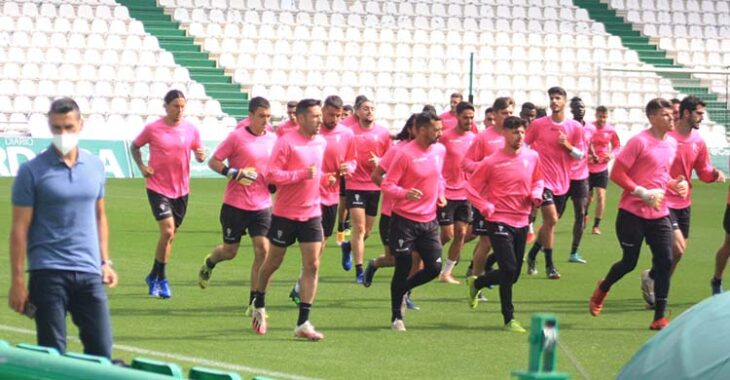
x: 303, y: 312
x: 716, y: 281
x: 573, y: 249
x: 549, y: 258
x: 209, y: 263
x: 251, y: 296
x: 259, y: 300
x: 660, y: 306
x: 340, y: 227
x: 533, y: 251
x: 358, y: 268
x: 596, y: 222
x: 158, y: 270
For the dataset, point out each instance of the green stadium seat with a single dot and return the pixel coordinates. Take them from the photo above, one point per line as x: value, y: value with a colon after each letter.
x: 202, y: 373
x: 33, y: 347
x: 155, y: 366
x: 89, y: 358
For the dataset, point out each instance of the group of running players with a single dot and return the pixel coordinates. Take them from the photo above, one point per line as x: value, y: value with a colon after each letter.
x: 442, y: 181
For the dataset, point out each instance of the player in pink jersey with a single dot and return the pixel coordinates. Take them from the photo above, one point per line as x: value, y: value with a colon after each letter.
x: 295, y: 168
x: 414, y: 181
x: 339, y: 161
x: 504, y: 188
x: 578, y: 191
x: 344, y: 230
x: 642, y: 171
x: 558, y: 141
x: 488, y: 118
x: 385, y: 260
x: 247, y: 201
x: 488, y: 142
x: 692, y: 155
x: 454, y: 219
x: 363, y: 196
x: 675, y: 109
x: 171, y: 140
x: 291, y: 123
x: 528, y: 112
x: 450, y: 118
x: 603, y: 147
x: 723, y: 253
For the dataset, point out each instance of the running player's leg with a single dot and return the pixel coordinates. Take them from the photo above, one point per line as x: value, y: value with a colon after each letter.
x: 579, y: 196
x: 659, y: 237
x: 681, y: 237
x: 722, y: 255
x: 429, y: 247
x: 401, y: 244
x: 630, y: 233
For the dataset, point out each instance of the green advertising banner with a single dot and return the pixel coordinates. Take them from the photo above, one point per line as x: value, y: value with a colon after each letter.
x: 15, y: 150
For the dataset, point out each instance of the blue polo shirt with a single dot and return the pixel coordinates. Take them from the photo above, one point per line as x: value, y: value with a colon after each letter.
x: 63, y: 234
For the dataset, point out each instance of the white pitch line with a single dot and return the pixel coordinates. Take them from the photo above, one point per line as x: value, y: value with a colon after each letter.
x: 574, y: 361
x: 183, y: 358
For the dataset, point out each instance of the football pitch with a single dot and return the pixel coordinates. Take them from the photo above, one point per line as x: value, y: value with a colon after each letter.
x: 445, y: 339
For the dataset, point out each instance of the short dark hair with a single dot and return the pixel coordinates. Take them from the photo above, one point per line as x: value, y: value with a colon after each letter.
x: 463, y: 106
x: 172, y: 95
x: 690, y: 103
x: 305, y: 104
x: 657, y: 104
x: 541, y: 112
x: 333, y: 101
x: 488, y: 110
x: 527, y: 106
x: 347, y: 107
x: 675, y: 101
x: 557, y: 91
x: 457, y: 95
x: 63, y: 106
x: 502, y: 103
x: 291, y: 104
x: 424, y: 119
x: 258, y: 102
x: 601, y: 109
x: 429, y: 108
x: 359, y: 100
x: 576, y: 99
x: 403, y: 135
x: 514, y: 122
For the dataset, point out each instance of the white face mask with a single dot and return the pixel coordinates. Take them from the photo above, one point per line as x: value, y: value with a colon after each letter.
x: 66, y: 142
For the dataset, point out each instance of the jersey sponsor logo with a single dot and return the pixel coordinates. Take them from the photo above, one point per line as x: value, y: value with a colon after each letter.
x: 502, y: 164
x: 525, y: 163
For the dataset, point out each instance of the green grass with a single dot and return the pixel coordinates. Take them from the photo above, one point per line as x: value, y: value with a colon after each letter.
x: 445, y: 339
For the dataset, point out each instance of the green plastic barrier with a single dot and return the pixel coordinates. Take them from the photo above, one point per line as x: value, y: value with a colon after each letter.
x: 158, y: 367
x: 33, y: 347
x: 89, y: 358
x: 202, y: 373
x: 29, y: 363
x: 543, y: 341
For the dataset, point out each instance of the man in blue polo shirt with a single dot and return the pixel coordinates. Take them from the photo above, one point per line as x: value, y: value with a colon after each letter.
x: 60, y: 224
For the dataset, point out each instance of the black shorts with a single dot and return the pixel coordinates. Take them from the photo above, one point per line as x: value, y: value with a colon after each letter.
x: 633, y: 230
x: 329, y: 216
x: 479, y: 225
x: 367, y: 199
x: 578, y: 188
x: 680, y: 220
x: 235, y: 222
x: 599, y: 179
x: 455, y: 211
x: 164, y: 207
x: 726, y: 220
x: 384, y: 229
x: 342, y: 186
x: 407, y: 235
x: 548, y: 198
x: 284, y: 232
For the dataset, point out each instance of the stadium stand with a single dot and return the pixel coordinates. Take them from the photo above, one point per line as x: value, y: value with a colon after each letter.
x: 401, y: 54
